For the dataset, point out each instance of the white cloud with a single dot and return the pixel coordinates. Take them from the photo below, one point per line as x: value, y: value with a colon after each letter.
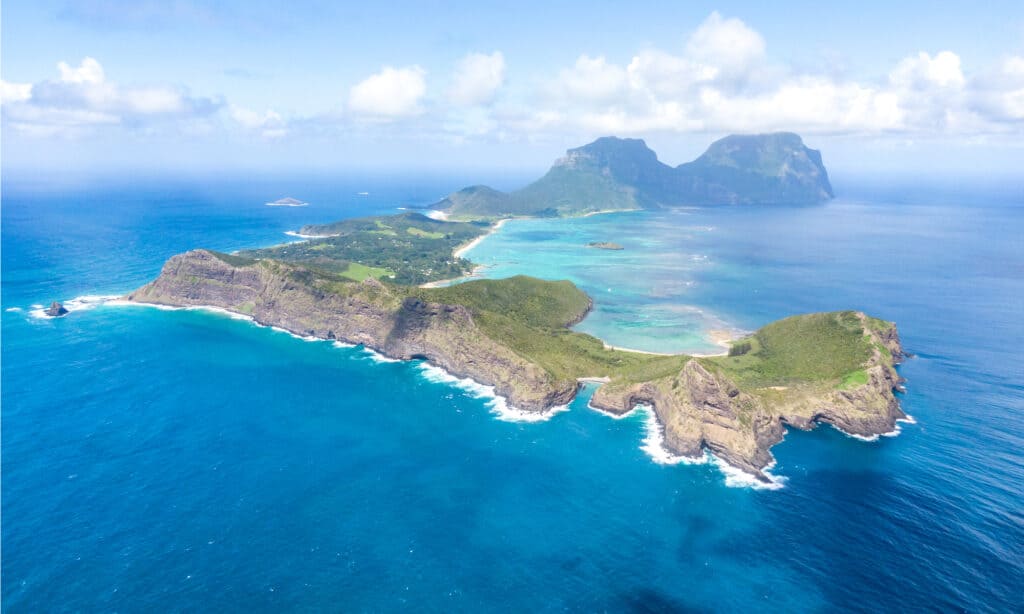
x: 14, y: 92
x: 665, y: 74
x: 999, y: 93
x: 83, y: 98
x: 723, y: 81
x: 727, y: 45
x: 390, y: 93
x: 477, y: 79
x: 89, y: 71
x: 923, y: 71
x: 592, y: 79
x: 268, y: 124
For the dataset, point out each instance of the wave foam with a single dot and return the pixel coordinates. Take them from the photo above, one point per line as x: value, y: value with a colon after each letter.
x: 653, y: 444
x: 79, y: 303
x: 13, y: 309
x: 377, y: 357
x: 738, y: 478
x: 496, y: 403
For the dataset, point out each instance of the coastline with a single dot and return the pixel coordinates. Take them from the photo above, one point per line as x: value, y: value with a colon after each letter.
x: 720, y: 337
x: 462, y: 250
x: 653, y: 444
x: 295, y: 233
x: 604, y: 211
x: 465, y: 248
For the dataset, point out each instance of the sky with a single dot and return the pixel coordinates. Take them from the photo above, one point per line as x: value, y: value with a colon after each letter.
x: 93, y: 86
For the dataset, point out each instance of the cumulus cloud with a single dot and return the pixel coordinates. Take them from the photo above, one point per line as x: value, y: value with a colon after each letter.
x: 89, y: 71
x: 718, y: 78
x: 14, y: 92
x: 591, y: 79
x: 923, y: 71
x: 477, y: 79
x: 268, y: 124
x: 389, y: 94
x: 82, y: 97
x: 726, y: 47
x: 722, y: 80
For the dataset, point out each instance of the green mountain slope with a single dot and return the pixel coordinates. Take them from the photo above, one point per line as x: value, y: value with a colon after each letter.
x: 614, y: 173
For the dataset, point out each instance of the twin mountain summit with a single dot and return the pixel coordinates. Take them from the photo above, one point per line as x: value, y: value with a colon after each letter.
x: 614, y: 173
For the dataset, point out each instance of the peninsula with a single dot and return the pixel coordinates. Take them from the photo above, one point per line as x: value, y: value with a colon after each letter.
x: 367, y: 281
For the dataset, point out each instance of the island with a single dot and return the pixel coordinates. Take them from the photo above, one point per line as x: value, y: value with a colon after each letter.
x: 623, y: 174
x: 287, y: 202
x: 373, y: 282
x: 605, y: 245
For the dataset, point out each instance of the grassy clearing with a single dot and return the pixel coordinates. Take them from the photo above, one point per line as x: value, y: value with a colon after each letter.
x: 419, y: 232
x: 359, y: 272
x: 854, y: 379
x: 817, y: 347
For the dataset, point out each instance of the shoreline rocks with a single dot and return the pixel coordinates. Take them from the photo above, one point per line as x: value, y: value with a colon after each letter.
x: 56, y: 310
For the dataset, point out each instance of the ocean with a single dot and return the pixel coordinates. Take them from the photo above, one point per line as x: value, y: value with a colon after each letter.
x: 182, y: 460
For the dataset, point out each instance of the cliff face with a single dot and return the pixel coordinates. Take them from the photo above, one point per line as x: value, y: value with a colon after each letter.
x: 722, y: 404
x: 701, y: 407
x: 368, y: 313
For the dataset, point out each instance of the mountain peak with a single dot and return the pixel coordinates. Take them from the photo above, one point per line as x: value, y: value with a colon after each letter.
x: 624, y: 173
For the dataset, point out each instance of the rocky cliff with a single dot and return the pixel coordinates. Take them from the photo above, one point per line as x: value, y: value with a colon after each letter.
x: 369, y: 313
x: 702, y: 407
x: 836, y: 368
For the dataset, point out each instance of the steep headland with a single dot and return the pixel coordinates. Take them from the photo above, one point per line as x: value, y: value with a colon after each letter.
x: 514, y: 334
x: 619, y: 174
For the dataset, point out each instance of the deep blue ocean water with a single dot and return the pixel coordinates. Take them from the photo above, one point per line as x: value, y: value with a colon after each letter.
x: 185, y: 461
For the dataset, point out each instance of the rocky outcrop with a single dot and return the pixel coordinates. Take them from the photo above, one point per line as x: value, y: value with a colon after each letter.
x: 367, y: 313
x: 701, y: 408
x: 56, y: 310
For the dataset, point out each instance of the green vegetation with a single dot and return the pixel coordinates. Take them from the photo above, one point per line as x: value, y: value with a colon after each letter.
x: 854, y: 379
x: 532, y: 316
x: 232, y: 259
x: 820, y: 347
x: 740, y: 348
x: 613, y: 173
x: 359, y: 272
x: 419, y: 232
x: 408, y: 249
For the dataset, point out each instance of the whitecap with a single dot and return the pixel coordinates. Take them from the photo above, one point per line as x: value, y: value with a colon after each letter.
x: 738, y: 478
x: 653, y: 443
x: 377, y: 357
x: 79, y: 303
x: 611, y: 415
x: 13, y: 309
x: 497, y: 404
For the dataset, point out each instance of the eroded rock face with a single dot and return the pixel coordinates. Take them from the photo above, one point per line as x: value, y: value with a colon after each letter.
x: 701, y: 409
x: 366, y: 313
x: 56, y: 310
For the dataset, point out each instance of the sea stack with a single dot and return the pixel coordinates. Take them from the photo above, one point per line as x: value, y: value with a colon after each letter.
x: 56, y: 310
